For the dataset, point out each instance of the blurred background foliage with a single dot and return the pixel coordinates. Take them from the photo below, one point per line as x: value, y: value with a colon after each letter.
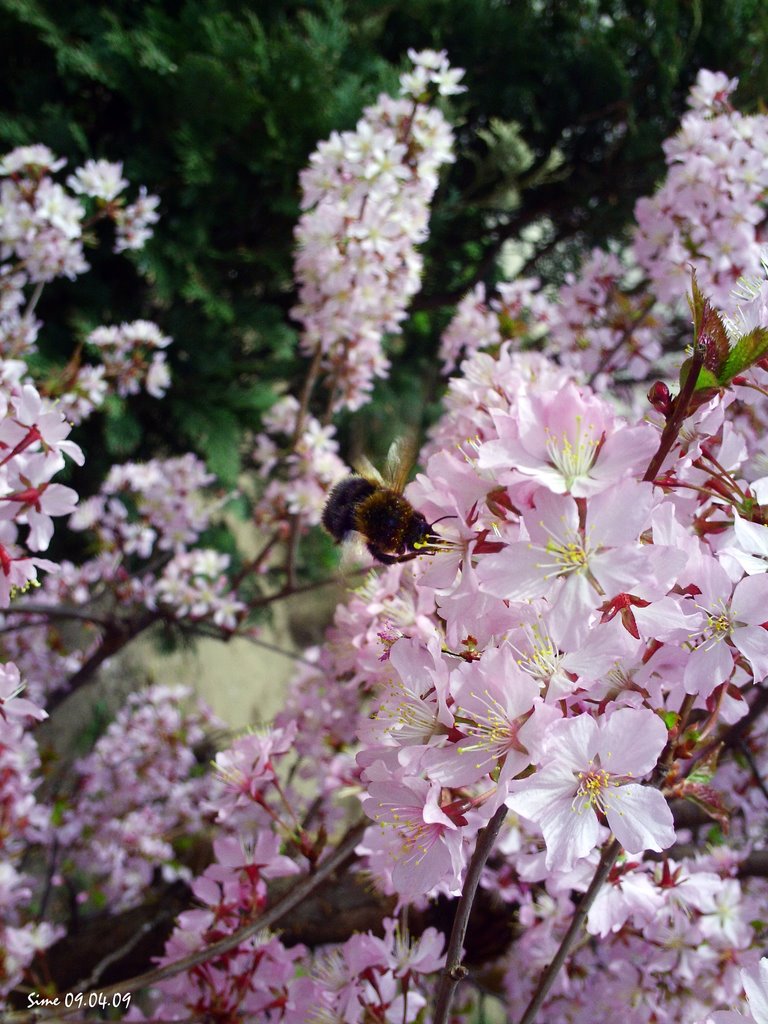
x: 215, y: 105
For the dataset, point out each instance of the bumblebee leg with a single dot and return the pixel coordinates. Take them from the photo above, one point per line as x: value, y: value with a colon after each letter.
x: 385, y: 559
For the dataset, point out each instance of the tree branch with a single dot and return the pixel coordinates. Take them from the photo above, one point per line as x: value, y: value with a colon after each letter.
x: 454, y: 971
x: 608, y: 859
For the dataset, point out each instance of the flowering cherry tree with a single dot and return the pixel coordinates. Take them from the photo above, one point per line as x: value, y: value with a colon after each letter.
x: 555, y: 715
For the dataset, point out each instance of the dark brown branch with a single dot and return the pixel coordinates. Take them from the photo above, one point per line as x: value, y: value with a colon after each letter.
x: 454, y: 970
x: 53, y: 611
x: 115, y: 637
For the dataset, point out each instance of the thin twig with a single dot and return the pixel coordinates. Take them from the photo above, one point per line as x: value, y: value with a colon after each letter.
x: 210, y: 632
x: 679, y: 412
x: 33, y: 301
x: 624, y: 337
x: 114, y: 640
x: 53, y: 611
x: 116, y: 955
x: 455, y: 971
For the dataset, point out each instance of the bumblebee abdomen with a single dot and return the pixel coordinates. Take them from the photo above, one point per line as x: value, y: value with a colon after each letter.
x: 385, y: 517
x: 339, y: 514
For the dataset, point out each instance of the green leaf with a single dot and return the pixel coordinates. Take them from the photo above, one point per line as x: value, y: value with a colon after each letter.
x: 745, y: 353
x: 706, y: 379
x: 670, y: 718
x: 219, y: 438
x: 122, y: 431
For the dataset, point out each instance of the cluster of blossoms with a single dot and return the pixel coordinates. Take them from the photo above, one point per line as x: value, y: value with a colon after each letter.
x: 131, y: 358
x: 171, y: 507
x: 103, y: 182
x: 383, y: 978
x: 373, y: 978
x: 23, y: 821
x: 594, y: 323
x: 42, y: 226
x: 673, y: 939
x: 33, y: 445
x: 259, y: 974
x: 123, y: 806
x: 310, y: 467
x: 607, y: 322
x: 43, y: 229
x: 577, y: 621
x: 366, y: 195
x: 196, y: 586
x: 710, y: 211
x: 602, y: 327
x: 595, y: 625
x: 138, y: 788
x: 125, y: 354
x: 519, y: 310
x: 145, y: 525
x: 577, y: 656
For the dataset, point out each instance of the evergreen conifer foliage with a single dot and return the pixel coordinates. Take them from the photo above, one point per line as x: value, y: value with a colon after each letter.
x: 216, y: 106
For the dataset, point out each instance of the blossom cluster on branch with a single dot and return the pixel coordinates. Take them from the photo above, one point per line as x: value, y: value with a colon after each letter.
x: 45, y: 227
x: 583, y: 652
x: 596, y: 623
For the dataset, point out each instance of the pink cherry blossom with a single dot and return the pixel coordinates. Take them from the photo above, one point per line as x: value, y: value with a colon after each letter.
x: 425, y: 842
x: 728, y: 620
x: 587, y: 769
x: 571, y: 443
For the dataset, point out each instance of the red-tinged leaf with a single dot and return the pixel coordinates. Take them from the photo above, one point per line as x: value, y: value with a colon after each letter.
x: 696, y: 301
x: 709, y: 800
x: 714, y: 338
x: 697, y: 788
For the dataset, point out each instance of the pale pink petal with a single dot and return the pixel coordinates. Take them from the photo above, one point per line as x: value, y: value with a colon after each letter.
x: 573, y: 741
x: 570, y: 836
x: 750, y: 600
x: 641, y: 819
x: 515, y: 574
x: 707, y: 667
x: 630, y: 742
x: 752, y: 641
x: 542, y: 794
x: 756, y: 987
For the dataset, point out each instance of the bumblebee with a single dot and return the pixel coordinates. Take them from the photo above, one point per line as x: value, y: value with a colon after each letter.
x: 373, y: 506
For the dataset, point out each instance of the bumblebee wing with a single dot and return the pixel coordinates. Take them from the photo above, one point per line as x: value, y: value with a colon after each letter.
x: 354, y: 553
x: 400, y: 460
x: 366, y: 469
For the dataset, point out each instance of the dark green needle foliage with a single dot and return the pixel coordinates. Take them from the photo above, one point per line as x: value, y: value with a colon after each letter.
x: 216, y: 105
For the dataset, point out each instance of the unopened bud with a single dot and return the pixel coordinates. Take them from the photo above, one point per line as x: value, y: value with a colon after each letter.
x: 660, y: 398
